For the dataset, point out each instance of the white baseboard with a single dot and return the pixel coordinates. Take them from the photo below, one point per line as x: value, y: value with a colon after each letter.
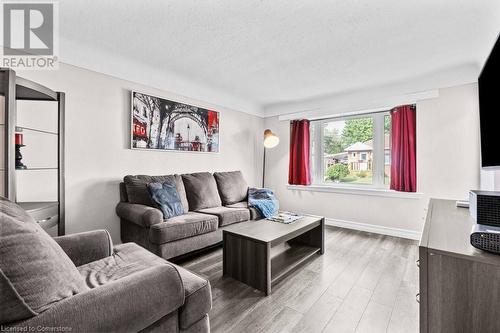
x: 403, y: 233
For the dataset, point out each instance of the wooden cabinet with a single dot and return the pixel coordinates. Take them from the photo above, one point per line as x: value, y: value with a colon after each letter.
x: 459, y: 285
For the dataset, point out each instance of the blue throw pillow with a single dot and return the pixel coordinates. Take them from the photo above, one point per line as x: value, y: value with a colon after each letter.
x: 166, y: 197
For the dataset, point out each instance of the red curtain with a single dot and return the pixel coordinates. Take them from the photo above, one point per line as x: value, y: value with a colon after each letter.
x: 403, y: 150
x: 299, y: 172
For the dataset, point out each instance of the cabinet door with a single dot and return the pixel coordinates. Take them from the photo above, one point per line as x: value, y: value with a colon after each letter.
x: 422, y: 294
x: 463, y: 295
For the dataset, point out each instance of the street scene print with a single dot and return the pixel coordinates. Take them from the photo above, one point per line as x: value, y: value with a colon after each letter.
x: 163, y: 124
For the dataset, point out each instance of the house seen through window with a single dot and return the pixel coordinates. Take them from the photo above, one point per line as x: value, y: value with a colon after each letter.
x: 352, y: 150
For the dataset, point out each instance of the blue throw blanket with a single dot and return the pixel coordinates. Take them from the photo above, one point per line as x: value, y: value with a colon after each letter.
x: 263, y: 200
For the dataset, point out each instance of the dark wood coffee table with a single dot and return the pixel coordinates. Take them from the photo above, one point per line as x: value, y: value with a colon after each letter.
x: 247, y: 251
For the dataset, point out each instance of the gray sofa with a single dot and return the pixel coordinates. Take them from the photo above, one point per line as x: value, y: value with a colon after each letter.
x: 81, y: 283
x: 210, y: 202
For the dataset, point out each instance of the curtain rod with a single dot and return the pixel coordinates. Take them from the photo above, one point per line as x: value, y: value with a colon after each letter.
x: 348, y: 114
x: 354, y: 113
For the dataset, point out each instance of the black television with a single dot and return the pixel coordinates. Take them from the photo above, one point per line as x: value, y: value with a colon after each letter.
x: 489, y: 109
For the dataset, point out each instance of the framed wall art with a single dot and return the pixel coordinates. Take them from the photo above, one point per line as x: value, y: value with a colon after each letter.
x: 162, y: 124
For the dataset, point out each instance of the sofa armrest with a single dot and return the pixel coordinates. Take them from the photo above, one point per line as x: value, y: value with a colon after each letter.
x: 86, y: 247
x: 129, y: 304
x: 142, y: 215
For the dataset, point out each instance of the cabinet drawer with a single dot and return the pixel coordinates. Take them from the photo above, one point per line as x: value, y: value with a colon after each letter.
x: 39, y: 210
x: 48, y: 222
x: 42, y: 212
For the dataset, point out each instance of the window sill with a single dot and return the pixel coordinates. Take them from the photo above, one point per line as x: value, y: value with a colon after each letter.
x: 356, y: 190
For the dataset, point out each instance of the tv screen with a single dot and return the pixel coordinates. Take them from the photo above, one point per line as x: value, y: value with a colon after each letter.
x: 489, y: 109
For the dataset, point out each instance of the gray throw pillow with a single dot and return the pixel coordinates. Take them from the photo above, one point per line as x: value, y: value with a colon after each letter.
x: 137, y: 188
x: 35, y: 272
x: 232, y: 187
x: 201, y: 190
x: 166, y: 198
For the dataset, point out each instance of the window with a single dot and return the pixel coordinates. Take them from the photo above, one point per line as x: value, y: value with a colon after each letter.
x: 387, y: 149
x: 352, y: 151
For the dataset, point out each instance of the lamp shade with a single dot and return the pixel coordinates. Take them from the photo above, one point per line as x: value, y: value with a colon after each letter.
x: 271, y: 140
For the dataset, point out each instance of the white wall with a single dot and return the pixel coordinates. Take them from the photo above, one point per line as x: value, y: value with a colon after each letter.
x: 447, y: 166
x: 448, y: 143
x: 97, y: 144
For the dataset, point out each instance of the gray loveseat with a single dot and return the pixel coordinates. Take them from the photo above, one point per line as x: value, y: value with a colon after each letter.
x: 81, y: 283
x: 210, y: 202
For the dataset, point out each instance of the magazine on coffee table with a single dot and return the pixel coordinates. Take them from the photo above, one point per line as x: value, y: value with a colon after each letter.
x: 284, y: 217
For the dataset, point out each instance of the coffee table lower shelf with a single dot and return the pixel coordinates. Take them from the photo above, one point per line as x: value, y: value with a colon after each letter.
x: 285, y: 262
x: 250, y: 250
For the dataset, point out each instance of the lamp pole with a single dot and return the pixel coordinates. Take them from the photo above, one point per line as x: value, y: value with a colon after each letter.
x: 271, y: 140
x: 264, y: 168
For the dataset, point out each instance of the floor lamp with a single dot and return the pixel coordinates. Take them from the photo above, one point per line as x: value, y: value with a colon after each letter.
x: 271, y: 140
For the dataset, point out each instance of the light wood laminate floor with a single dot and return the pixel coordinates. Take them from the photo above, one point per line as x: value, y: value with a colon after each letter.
x: 363, y: 283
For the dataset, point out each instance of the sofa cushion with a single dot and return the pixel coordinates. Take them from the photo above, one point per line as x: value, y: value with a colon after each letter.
x: 166, y: 198
x: 201, y: 190
x: 129, y: 259
x: 184, y: 246
x: 137, y: 190
x: 232, y: 187
x: 228, y: 215
x: 198, y: 298
x: 35, y: 267
x: 183, y: 226
x: 254, y: 213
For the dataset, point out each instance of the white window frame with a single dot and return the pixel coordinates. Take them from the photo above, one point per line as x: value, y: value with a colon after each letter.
x: 378, y: 152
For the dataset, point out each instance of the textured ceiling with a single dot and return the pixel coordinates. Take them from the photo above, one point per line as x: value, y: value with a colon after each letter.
x: 285, y: 50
